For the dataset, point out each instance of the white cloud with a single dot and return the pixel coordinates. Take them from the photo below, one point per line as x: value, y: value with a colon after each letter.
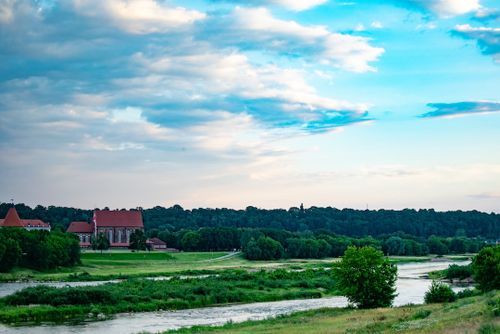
x: 139, y: 16
x: 447, y: 8
x: 6, y: 11
x: 295, y: 5
x: 377, y: 25
x: 258, y: 25
x: 299, y: 5
x: 178, y: 72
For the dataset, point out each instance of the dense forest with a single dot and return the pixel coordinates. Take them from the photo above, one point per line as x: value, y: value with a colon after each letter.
x: 347, y: 222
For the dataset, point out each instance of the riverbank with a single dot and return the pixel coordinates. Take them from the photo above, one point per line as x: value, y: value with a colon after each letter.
x: 50, y: 304
x: 123, y: 264
x: 410, y: 290
x: 480, y: 314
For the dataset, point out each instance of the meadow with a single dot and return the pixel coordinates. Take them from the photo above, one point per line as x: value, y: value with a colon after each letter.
x: 123, y: 264
x: 126, y: 264
x: 479, y: 314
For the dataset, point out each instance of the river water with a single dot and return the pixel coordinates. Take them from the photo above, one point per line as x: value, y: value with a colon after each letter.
x: 410, y: 287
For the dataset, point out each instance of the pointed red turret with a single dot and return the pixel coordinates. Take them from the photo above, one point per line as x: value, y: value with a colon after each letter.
x: 12, y: 219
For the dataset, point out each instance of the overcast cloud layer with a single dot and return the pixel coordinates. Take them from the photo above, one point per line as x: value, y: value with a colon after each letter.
x: 235, y: 103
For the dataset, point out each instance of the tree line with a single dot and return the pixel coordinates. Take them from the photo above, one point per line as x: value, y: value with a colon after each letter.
x: 40, y: 250
x: 267, y: 244
x: 348, y: 222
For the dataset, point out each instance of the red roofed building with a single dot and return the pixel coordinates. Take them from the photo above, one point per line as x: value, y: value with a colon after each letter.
x: 12, y: 220
x: 116, y: 225
x: 155, y: 243
x: 83, y: 230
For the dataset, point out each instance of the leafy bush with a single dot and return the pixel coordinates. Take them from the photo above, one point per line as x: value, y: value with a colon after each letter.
x: 439, y: 293
x: 460, y: 272
x: 486, y: 268
x: 366, y: 277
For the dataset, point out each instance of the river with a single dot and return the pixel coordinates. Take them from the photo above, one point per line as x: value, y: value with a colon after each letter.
x: 410, y: 287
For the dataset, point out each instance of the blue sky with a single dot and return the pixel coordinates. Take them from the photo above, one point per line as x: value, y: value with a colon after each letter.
x: 272, y: 103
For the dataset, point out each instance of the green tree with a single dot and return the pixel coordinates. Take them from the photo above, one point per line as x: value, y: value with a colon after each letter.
x: 486, y: 268
x: 138, y: 240
x: 190, y: 241
x: 264, y: 248
x: 100, y: 242
x: 366, y: 277
x: 252, y: 250
x: 437, y: 246
x: 439, y: 293
x: 394, y: 246
x: 10, y: 254
x: 270, y: 248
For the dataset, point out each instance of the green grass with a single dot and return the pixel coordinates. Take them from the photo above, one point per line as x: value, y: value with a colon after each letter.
x: 468, y: 315
x: 41, y: 303
x: 126, y: 264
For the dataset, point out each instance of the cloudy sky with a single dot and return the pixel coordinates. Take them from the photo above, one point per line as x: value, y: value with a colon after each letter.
x: 212, y: 103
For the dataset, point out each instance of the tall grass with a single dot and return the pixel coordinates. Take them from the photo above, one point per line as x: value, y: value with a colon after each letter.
x: 135, y: 295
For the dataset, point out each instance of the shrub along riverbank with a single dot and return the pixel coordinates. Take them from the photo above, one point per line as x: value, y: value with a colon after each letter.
x: 62, y: 304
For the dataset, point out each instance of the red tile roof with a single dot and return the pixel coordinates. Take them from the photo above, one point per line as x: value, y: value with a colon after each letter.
x: 156, y: 241
x: 12, y: 219
x: 33, y: 223
x: 80, y: 227
x: 118, y: 218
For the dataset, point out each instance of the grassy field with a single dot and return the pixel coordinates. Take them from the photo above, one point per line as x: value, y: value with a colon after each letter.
x: 125, y: 264
x: 479, y: 314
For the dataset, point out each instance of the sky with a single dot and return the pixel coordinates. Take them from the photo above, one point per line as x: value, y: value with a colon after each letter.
x: 271, y: 103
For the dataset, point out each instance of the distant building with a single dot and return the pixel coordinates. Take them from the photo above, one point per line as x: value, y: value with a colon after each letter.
x: 155, y: 243
x: 84, y: 232
x: 116, y: 225
x: 12, y: 220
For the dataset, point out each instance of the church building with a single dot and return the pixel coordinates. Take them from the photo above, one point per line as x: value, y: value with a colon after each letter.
x: 116, y: 225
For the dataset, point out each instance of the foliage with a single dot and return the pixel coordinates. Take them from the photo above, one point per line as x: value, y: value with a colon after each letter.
x: 190, y: 241
x: 10, y: 254
x: 349, y: 222
x: 366, y: 278
x: 230, y: 286
x: 486, y: 268
x: 264, y: 248
x: 38, y: 250
x: 100, y: 242
x: 467, y: 293
x: 439, y: 293
x: 138, y: 240
x: 460, y: 272
x: 308, y: 248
